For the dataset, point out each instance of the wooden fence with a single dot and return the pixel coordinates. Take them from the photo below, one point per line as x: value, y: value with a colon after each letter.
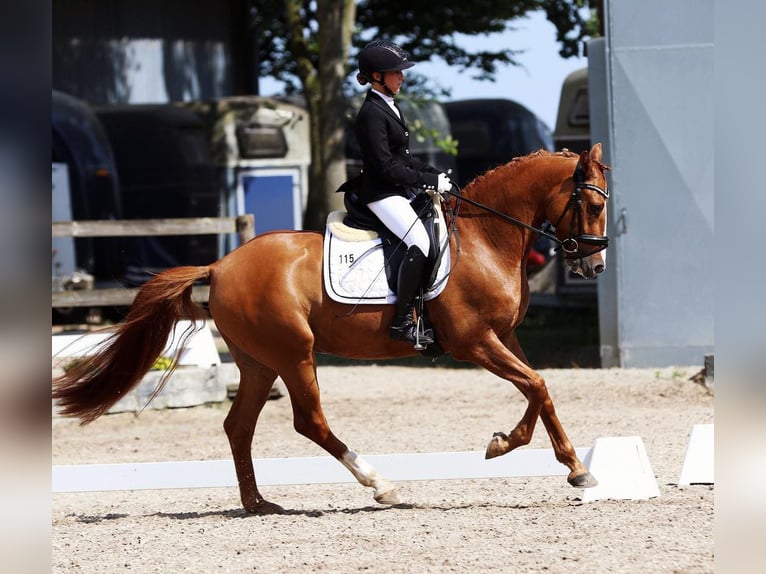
x: 243, y: 226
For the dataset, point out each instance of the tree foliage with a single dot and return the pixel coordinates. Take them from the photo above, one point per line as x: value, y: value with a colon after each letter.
x: 287, y: 35
x: 427, y: 31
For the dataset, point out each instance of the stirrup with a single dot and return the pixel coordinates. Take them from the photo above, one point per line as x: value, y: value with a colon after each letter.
x: 413, y: 333
x: 423, y: 337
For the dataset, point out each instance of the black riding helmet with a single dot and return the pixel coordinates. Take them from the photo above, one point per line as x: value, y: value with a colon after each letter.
x: 381, y: 56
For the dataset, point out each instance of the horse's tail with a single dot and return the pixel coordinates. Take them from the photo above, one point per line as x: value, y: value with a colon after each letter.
x: 92, y: 385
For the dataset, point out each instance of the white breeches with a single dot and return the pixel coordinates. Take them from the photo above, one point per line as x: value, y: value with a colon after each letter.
x: 397, y: 215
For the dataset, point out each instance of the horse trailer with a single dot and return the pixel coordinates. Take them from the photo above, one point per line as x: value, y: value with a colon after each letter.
x: 572, y: 130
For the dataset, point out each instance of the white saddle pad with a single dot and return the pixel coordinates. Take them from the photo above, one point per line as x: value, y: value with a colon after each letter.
x: 353, y: 265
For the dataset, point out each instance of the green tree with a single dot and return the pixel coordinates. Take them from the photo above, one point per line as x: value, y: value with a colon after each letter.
x: 311, y: 46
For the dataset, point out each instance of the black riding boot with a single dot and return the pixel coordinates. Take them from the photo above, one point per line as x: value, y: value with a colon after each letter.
x: 408, y: 283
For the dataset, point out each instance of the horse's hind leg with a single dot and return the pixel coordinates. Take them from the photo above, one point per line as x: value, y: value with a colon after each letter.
x: 309, y: 420
x: 255, y: 382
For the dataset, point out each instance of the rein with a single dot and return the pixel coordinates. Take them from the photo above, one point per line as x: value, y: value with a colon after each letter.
x: 570, y: 245
x: 500, y: 214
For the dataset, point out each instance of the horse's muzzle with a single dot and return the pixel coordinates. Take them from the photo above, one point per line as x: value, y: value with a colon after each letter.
x: 588, y: 267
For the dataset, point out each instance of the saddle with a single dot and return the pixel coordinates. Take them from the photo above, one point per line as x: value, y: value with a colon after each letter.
x: 362, y: 257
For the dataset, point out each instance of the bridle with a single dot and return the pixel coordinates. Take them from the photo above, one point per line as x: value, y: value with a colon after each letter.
x: 571, y: 246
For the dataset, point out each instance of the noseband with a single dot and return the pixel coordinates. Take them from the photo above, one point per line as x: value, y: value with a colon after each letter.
x: 571, y: 245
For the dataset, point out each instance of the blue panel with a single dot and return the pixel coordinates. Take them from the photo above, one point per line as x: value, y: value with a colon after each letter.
x: 271, y: 200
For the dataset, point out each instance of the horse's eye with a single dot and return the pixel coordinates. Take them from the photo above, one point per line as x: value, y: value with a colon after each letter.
x: 595, y: 210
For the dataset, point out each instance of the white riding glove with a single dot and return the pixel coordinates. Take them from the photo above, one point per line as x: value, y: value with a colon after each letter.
x: 444, y: 184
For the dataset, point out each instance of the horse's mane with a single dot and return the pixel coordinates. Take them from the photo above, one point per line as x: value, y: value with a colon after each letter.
x: 545, y: 153
x: 518, y: 162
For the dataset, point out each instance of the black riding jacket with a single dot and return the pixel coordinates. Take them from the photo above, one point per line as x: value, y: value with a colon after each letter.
x: 388, y: 167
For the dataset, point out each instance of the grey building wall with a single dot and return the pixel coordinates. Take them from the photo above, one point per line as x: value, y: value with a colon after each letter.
x: 651, y: 86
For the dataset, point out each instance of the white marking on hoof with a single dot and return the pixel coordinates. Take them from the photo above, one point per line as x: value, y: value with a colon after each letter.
x: 365, y: 473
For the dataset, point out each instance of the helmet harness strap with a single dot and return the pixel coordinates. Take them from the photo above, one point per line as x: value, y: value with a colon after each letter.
x: 382, y: 82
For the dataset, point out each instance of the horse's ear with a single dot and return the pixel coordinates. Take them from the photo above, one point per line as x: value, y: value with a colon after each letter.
x: 596, y: 152
x: 596, y: 155
x: 583, y: 163
x: 588, y: 158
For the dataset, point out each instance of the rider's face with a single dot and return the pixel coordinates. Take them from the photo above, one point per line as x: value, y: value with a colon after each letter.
x: 393, y: 80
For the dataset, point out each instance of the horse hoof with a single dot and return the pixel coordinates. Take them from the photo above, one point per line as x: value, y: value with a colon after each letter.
x: 389, y: 498
x: 584, y: 480
x: 497, y: 446
x: 263, y: 508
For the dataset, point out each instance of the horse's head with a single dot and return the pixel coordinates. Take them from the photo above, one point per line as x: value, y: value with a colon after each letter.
x: 581, y: 224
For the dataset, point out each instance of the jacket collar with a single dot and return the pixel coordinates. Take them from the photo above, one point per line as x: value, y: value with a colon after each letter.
x: 380, y: 102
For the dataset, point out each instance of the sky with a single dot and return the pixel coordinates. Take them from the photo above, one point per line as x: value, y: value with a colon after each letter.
x: 536, y: 85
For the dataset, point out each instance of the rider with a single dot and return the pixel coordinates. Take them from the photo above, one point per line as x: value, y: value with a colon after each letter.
x: 391, y: 177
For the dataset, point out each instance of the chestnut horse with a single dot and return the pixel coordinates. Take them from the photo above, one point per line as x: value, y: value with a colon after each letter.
x: 268, y: 301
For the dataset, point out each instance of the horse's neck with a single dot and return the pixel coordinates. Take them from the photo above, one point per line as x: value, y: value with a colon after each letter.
x: 521, y: 190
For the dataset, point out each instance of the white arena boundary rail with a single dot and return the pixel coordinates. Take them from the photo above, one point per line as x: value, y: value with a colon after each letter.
x: 619, y: 463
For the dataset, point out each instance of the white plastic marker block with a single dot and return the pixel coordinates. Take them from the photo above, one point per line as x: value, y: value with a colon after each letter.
x: 200, y: 350
x: 306, y: 470
x: 64, y: 346
x: 699, y: 465
x: 623, y: 471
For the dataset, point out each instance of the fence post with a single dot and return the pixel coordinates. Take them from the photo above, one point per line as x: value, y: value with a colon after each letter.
x: 245, y: 227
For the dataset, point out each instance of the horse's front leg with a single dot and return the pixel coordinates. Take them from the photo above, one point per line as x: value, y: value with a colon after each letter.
x: 510, y: 363
x: 579, y: 476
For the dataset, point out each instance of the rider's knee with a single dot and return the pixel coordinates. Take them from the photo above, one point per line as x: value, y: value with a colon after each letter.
x: 418, y: 237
